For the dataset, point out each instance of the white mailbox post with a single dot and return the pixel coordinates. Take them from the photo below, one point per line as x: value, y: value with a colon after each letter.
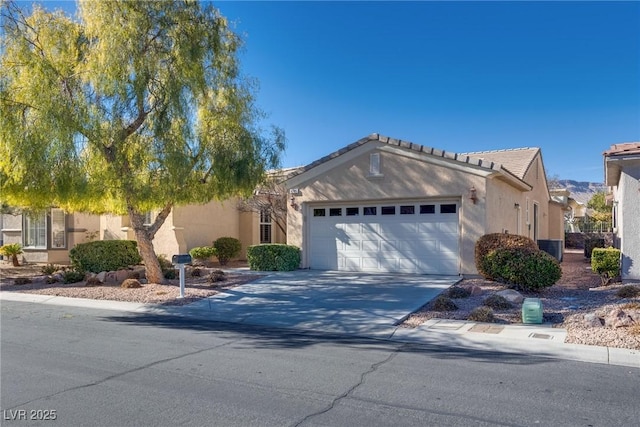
x: 180, y: 260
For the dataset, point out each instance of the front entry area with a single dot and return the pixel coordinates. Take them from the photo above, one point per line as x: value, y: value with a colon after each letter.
x: 420, y: 237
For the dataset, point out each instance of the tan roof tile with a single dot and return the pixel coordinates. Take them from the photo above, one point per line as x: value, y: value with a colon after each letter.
x: 515, y: 160
x: 623, y: 149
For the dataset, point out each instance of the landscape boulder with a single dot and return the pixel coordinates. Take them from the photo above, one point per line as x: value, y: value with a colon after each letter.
x: 512, y: 296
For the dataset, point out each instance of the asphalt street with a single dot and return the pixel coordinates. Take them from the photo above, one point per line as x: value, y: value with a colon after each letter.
x: 90, y: 367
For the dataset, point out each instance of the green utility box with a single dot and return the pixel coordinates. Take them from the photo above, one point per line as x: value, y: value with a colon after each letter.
x: 532, y: 310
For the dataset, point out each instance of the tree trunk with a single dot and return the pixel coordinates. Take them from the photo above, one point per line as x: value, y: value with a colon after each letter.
x: 14, y: 259
x: 144, y: 237
x: 151, y: 265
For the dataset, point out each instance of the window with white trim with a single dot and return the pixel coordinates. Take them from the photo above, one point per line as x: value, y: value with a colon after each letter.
x: 34, y: 231
x: 58, y: 229
x: 265, y: 226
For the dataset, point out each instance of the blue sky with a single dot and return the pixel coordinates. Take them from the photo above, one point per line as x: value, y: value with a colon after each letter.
x: 458, y: 76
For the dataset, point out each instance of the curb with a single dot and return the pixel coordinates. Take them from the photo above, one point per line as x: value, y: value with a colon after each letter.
x: 463, y: 338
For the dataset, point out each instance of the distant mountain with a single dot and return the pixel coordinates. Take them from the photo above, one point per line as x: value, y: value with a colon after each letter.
x: 580, y: 190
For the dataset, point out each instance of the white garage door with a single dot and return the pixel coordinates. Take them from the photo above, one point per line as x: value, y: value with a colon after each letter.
x: 419, y: 237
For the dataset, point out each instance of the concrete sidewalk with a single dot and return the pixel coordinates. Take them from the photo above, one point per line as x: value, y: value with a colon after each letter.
x: 535, y: 340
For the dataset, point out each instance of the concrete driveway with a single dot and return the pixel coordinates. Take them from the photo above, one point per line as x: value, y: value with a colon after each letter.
x: 330, y: 301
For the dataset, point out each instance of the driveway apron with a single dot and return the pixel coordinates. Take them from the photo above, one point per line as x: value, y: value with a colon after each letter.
x: 330, y: 301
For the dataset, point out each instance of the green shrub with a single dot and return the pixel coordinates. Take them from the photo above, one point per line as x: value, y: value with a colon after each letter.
x: 72, y: 276
x: 104, y: 255
x: 524, y: 269
x: 196, y: 272
x: 628, y: 291
x: 226, y: 248
x: 481, y: 314
x: 49, y: 269
x: 458, y: 292
x: 497, y: 302
x: 168, y: 270
x: 490, y: 242
x: 606, y: 262
x: 443, y: 303
x: 202, y: 252
x: 273, y: 257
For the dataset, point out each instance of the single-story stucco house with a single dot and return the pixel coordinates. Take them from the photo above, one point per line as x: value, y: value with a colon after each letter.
x: 385, y: 205
x: 377, y: 205
x: 622, y: 176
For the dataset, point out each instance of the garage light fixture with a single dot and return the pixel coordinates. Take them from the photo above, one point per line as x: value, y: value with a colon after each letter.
x: 472, y: 195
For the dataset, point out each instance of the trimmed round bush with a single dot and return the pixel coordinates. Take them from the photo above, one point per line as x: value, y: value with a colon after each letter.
x: 490, y: 242
x: 227, y: 248
x: 458, y: 292
x: 628, y: 291
x: 443, y: 303
x: 481, y: 314
x: 497, y: 302
x: 104, y: 255
x: 216, y: 276
x: 273, y: 257
x: 523, y: 269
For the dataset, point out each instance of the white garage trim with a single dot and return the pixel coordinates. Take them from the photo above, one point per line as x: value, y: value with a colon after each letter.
x: 420, y: 237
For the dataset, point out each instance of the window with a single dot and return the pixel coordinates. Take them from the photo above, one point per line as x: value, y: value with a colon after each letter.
x: 353, y: 211
x: 407, y: 210
x: 148, y: 219
x: 35, y: 231
x: 371, y: 210
x: 388, y: 210
x: 58, y: 229
x: 265, y: 226
x: 335, y: 212
x: 427, y: 209
x: 374, y: 164
x: 319, y: 212
x: 448, y: 208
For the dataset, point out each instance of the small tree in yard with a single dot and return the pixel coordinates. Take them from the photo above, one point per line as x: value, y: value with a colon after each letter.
x: 269, y: 197
x: 132, y: 106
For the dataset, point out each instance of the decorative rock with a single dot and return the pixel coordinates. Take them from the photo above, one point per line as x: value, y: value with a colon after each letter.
x: 121, y: 275
x: 111, y: 277
x: 618, y: 318
x: 512, y: 296
x: 593, y: 321
x: 102, y: 276
x: 93, y: 281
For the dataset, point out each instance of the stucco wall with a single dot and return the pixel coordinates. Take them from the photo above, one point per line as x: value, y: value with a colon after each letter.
x: 539, y: 195
x: 504, y: 208
x: 403, y: 178
x: 556, y: 221
x: 628, y: 197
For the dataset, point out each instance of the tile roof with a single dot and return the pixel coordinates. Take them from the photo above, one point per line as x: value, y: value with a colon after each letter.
x: 622, y: 149
x: 512, y: 163
x: 515, y: 160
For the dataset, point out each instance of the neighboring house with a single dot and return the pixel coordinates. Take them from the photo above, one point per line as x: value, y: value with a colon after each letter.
x: 385, y: 205
x: 47, y: 237
x: 622, y: 176
x: 573, y: 209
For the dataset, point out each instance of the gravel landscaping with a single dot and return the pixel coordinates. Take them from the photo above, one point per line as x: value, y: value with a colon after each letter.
x: 575, y: 303
x: 591, y: 313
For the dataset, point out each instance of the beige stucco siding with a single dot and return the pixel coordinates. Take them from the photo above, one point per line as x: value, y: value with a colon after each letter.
x: 403, y: 177
x: 556, y: 221
x: 539, y: 195
x: 504, y: 211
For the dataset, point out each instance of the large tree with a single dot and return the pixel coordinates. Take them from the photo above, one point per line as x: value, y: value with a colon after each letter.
x: 130, y: 106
